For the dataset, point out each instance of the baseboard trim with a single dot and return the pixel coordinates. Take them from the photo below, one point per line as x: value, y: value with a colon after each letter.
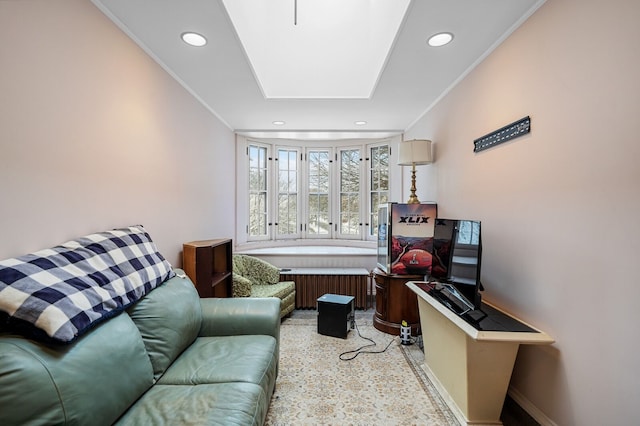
x: 530, y: 408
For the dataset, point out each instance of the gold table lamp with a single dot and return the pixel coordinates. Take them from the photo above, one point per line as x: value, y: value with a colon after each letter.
x: 414, y: 153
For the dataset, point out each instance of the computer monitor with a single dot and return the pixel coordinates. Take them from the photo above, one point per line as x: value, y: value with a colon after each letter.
x: 457, y: 258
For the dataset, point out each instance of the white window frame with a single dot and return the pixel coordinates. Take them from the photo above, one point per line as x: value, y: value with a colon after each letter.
x: 268, y: 234
x: 275, y: 192
x: 303, y: 147
x: 371, y: 215
x: 331, y: 220
x: 360, y: 193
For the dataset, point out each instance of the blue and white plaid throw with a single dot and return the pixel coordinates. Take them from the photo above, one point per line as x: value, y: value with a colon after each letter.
x: 66, y: 289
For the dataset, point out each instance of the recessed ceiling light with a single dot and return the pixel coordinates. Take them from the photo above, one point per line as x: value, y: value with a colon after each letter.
x: 194, y: 39
x: 440, y: 39
x: 360, y: 123
x: 278, y: 123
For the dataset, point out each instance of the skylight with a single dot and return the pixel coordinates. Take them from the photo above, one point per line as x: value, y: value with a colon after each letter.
x: 317, y: 49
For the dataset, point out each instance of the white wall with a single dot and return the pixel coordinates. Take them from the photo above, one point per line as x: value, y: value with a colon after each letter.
x: 95, y: 135
x: 560, y: 206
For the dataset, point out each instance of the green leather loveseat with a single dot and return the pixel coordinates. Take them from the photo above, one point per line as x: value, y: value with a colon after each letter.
x: 169, y: 359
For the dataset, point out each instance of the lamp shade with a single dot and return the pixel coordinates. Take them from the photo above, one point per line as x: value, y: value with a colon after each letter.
x: 414, y: 152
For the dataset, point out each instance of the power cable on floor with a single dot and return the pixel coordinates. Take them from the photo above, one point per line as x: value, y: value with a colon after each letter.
x: 354, y: 353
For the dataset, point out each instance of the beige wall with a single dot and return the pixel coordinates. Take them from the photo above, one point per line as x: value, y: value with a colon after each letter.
x: 95, y: 135
x: 560, y: 206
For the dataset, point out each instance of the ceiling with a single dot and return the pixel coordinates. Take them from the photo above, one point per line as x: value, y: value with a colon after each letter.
x: 408, y: 78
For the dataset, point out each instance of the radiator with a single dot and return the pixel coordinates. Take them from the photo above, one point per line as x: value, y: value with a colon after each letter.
x: 313, y: 283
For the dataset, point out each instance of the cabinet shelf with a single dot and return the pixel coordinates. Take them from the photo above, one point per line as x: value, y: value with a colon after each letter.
x: 219, y: 277
x: 209, y: 264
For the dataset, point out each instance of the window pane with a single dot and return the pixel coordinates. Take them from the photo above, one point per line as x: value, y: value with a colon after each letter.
x: 384, y: 179
x: 257, y: 216
x: 350, y: 171
x: 318, y: 171
x: 287, y: 192
x: 350, y: 192
x: 318, y: 196
x: 375, y: 179
x: 379, y: 191
x: 257, y: 191
x: 287, y: 216
x: 318, y: 215
x: 349, y: 214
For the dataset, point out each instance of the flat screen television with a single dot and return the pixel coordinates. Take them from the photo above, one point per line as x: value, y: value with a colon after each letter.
x: 457, y: 258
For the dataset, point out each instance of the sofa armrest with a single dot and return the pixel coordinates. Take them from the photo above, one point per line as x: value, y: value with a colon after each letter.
x: 235, y: 316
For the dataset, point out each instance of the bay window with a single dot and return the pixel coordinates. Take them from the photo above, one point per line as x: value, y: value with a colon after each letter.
x: 322, y: 190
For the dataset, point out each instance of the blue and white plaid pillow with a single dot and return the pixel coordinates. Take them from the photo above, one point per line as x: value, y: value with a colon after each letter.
x: 65, y: 290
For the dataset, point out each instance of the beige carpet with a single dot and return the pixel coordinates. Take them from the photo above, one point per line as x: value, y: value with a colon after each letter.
x: 315, y: 387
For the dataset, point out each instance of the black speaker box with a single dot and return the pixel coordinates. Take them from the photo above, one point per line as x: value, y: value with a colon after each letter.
x: 335, y: 315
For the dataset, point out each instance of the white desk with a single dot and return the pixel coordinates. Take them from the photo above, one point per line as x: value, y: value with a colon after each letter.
x: 471, y: 368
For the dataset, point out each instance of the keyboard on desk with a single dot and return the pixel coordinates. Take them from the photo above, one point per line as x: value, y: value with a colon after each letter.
x: 448, y: 298
x: 452, y: 299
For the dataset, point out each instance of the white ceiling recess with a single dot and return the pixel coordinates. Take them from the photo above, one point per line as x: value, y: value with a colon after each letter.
x: 318, y: 67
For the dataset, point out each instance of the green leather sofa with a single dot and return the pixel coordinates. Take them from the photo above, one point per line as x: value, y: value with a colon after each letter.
x: 170, y: 359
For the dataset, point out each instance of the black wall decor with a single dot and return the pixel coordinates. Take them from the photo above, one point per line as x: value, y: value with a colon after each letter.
x: 506, y: 133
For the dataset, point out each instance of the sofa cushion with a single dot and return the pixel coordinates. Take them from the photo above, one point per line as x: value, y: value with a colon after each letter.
x: 250, y: 359
x: 279, y: 290
x: 169, y: 320
x: 91, y: 381
x: 224, y: 404
x: 63, y: 291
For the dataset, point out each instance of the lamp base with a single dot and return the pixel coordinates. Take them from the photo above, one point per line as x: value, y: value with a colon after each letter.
x: 413, y: 198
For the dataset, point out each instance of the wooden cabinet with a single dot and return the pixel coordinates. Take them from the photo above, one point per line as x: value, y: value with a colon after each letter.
x: 209, y: 265
x: 395, y: 302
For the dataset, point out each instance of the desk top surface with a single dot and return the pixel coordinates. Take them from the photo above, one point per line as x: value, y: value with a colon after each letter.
x: 496, y: 326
